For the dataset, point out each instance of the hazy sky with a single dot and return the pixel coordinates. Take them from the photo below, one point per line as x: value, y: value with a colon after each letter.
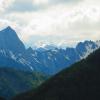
x: 52, y: 21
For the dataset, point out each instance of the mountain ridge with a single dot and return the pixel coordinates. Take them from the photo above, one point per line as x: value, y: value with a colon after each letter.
x: 45, y: 59
x: 81, y: 81
x: 10, y: 41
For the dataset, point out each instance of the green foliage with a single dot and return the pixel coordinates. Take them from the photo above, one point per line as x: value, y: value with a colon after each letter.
x: 79, y: 82
x: 13, y: 82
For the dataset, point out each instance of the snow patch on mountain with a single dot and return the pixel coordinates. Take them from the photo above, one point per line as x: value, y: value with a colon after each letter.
x: 46, y: 58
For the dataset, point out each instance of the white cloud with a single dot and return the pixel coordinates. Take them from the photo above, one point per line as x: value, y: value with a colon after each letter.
x: 4, y: 4
x: 52, y: 2
x: 41, y: 2
x: 33, y: 5
x: 61, y: 22
x: 79, y: 21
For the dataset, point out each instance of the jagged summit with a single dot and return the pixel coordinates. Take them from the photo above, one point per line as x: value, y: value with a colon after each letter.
x: 29, y: 49
x: 10, y: 41
x: 8, y: 28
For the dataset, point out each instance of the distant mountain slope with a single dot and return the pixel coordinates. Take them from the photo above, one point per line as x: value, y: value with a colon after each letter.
x: 10, y: 41
x: 53, y: 60
x: 49, y: 59
x: 13, y: 81
x: 11, y: 49
x: 79, y: 82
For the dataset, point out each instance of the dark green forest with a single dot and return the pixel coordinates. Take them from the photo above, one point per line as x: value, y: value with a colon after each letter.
x: 81, y: 81
x: 14, y: 82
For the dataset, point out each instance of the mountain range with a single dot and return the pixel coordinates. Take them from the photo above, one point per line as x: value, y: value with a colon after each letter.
x: 48, y: 60
x: 16, y: 76
x: 22, y: 69
x: 81, y: 81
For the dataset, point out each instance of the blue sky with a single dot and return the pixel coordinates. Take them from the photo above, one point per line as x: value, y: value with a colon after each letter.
x: 60, y: 22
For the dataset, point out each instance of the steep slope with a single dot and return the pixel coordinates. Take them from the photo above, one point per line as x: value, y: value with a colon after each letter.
x: 11, y: 49
x: 85, y: 48
x: 53, y: 60
x: 79, y: 82
x: 13, y: 82
x: 10, y: 41
x: 8, y: 62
